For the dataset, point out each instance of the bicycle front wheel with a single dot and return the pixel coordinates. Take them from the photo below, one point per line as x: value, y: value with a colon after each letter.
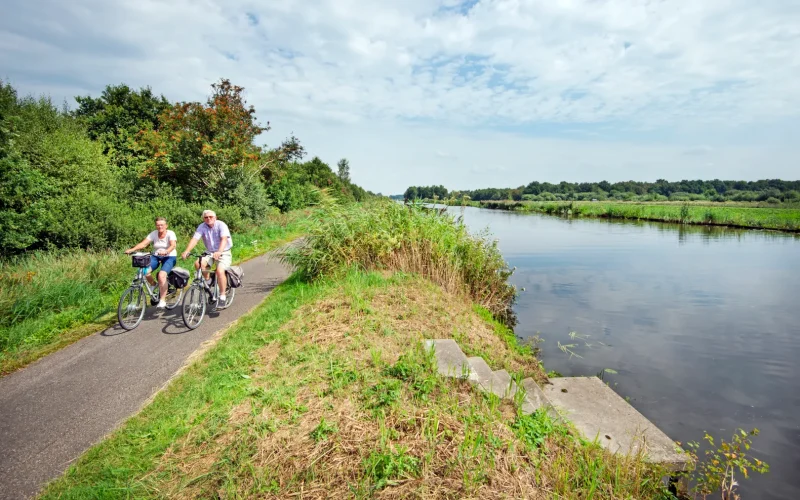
x: 194, y: 307
x: 130, y: 309
x: 173, y: 297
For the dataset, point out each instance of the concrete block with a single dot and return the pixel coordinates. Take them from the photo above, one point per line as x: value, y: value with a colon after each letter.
x: 600, y: 413
x: 508, y: 385
x: 534, y: 397
x: 484, y: 377
x: 450, y: 360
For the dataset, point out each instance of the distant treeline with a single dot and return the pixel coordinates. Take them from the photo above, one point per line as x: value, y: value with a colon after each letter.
x: 767, y: 190
x: 96, y: 176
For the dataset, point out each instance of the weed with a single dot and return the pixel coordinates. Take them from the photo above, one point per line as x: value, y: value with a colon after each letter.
x: 383, y: 394
x: 386, y: 467
x: 323, y: 430
x: 533, y: 429
x: 718, y: 471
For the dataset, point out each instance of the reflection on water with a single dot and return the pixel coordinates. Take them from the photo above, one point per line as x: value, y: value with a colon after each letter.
x: 700, y: 323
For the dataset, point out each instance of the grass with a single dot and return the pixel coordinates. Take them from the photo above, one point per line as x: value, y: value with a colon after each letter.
x: 387, y: 235
x: 49, y: 300
x: 733, y: 214
x: 325, y: 391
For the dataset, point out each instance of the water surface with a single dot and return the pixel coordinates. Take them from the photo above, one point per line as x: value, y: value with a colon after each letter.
x: 702, y: 325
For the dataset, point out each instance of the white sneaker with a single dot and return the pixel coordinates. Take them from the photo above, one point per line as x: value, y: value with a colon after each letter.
x: 223, y: 299
x: 161, y: 305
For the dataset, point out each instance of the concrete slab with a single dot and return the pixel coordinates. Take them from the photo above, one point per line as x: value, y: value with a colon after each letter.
x: 534, y: 397
x: 508, y: 385
x: 484, y: 377
x: 599, y: 412
x: 450, y: 360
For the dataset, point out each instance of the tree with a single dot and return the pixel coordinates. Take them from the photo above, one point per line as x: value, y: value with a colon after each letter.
x: 197, y: 145
x: 117, y: 116
x: 344, y: 170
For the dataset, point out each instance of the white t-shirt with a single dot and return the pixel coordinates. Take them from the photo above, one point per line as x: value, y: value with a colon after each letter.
x: 163, y: 243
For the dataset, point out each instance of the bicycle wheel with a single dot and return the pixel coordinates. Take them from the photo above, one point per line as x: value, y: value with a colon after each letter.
x: 173, y: 297
x: 130, y: 309
x: 194, y: 307
x: 229, y: 293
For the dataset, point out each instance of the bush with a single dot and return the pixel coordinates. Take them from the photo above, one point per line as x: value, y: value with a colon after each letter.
x: 390, y: 236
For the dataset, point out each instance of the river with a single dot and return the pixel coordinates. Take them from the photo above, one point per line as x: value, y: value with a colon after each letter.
x: 701, y: 325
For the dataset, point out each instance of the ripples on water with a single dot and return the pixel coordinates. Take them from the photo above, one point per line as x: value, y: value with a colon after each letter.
x: 700, y: 323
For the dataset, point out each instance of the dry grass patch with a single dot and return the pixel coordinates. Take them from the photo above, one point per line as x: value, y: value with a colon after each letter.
x: 344, y: 402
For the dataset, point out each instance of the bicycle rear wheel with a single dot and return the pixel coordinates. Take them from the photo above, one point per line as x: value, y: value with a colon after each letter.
x: 194, y: 307
x: 229, y: 293
x: 173, y: 297
x: 130, y: 309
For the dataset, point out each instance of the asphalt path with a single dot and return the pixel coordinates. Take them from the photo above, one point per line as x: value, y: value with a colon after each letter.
x: 56, y: 408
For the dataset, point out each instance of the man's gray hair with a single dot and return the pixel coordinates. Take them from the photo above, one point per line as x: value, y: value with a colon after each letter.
x: 209, y: 212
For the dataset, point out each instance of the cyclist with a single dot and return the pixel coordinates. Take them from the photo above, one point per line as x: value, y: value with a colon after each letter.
x: 217, y: 238
x: 164, y: 254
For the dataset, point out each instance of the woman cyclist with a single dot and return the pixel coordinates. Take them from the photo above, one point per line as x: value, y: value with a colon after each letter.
x: 164, y: 254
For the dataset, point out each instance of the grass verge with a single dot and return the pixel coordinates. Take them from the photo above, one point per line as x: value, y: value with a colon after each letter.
x: 782, y: 219
x: 325, y: 391
x: 49, y: 300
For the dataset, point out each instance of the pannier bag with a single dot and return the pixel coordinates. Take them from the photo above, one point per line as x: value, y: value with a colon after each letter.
x: 140, y: 260
x: 178, y: 277
x: 234, y: 275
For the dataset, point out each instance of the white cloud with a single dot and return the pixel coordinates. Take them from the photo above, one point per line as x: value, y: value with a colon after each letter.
x: 673, y: 74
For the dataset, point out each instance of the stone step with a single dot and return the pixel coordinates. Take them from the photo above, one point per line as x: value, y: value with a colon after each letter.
x: 534, y: 397
x: 509, y: 387
x: 600, y: 413
x: 484, y: 377
x: 450, y: 360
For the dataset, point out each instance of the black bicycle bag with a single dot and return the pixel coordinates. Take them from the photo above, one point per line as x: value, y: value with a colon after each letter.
x: 140, y: 260
x: 234, y: 275
x: 178, y: 277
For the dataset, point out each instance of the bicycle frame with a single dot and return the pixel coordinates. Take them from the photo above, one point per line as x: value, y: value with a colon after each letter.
x: 141, y: 280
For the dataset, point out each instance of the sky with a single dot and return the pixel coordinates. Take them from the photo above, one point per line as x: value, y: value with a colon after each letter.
x: 488, y: 93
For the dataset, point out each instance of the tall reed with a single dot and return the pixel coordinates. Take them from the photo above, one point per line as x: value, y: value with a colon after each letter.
x: 389, y: 236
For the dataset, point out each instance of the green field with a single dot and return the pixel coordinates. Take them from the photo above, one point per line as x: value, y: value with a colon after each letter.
x: 729, y: 214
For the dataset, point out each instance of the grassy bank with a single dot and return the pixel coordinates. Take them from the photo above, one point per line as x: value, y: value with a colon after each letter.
x: 733, y: 214
x: 325, y: 391
x: 49, y: 300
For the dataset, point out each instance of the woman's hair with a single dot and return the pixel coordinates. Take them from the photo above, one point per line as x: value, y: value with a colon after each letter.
x: 160, y: 218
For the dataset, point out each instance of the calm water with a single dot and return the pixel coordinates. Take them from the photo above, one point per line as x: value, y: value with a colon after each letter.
x: 701, y: 325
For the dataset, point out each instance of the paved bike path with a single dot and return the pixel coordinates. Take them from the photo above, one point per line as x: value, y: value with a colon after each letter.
x: 56, y: 408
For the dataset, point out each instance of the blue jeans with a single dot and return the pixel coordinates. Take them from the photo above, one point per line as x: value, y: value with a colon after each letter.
x: 166, y: 262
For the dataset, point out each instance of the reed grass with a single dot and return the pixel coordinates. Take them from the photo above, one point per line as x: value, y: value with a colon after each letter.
x: 392, y: 237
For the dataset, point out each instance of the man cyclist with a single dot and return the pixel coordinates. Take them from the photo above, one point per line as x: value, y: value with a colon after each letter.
x: 217, y: 238
x: 164, y: 254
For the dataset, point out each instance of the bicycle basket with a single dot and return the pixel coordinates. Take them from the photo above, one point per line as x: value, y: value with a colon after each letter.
x: 234, y: 275
x: 140, y: 260
x: 178, y: 277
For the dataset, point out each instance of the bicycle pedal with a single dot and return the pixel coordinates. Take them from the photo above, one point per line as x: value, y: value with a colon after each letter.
x: 153, y: 302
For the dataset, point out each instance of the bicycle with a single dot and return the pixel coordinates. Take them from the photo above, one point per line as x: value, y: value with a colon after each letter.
x: 201, y: 294
x: 132, y: 303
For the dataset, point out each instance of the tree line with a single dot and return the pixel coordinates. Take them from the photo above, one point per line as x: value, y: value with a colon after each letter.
x: 97, y: 175
x: 768, y: 190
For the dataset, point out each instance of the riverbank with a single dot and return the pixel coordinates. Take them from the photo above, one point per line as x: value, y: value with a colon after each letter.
x: 733, y: 215
x: 50, y: 300
x: 325, y: 390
